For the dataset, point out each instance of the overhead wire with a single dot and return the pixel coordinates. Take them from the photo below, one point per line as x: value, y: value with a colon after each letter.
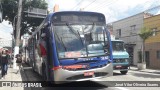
x: 78, y: 4
x: 89, y: 4
x: 145, y: 4
x: 101, y: 5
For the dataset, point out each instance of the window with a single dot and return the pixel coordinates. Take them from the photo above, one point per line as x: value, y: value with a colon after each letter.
x: 158, y: 54
x: 133, y: 28
x: 119, y: 32
x: 154, y: 30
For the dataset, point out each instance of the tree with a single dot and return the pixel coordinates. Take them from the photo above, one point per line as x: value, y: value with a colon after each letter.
x: 10, y: 9
x: 145, y: 33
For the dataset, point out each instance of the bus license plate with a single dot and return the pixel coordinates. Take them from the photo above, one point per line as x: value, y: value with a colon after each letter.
x: 88, y: 73
x: 118, y: 66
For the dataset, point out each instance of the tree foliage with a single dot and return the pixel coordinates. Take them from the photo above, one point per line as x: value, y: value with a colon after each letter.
x: 10, y: 10
x: 145, y: 33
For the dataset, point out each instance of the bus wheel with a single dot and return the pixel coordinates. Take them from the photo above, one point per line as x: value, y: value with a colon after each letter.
x: 123, y: 72
x: 44, y: 73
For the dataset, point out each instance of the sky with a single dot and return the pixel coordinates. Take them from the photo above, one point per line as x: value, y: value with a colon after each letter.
x: 6, y: 30
x: 112, y: 9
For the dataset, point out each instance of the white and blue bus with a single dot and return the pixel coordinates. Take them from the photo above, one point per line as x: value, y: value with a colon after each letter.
x: 75, y: 51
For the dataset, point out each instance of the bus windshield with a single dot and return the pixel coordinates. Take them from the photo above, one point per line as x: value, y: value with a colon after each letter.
x: 75, y: 41
x: 118, y: 46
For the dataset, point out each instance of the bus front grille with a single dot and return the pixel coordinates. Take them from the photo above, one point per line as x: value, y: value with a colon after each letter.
x: 81, y: 76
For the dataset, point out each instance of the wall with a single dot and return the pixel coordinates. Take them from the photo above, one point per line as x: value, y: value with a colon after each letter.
x: 153, y: 22
x: 152, y: 44
x: 130, y: 36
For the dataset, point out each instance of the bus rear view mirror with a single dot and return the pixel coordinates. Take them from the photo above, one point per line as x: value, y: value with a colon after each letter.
x: 43, y: 35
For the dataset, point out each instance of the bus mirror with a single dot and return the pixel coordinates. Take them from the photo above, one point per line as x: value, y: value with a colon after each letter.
x: 46, y: 24
x: 43, y: 35
x: 106, y: 47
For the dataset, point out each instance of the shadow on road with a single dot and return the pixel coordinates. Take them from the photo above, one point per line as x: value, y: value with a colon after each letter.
x: 145, y: 75
x: 117, y: 74
x: 29, y: 75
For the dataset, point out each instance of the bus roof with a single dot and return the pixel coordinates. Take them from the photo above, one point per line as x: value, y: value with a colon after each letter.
x: 75, y: 16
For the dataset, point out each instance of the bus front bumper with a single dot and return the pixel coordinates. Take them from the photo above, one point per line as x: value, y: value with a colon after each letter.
x: 62, y: 75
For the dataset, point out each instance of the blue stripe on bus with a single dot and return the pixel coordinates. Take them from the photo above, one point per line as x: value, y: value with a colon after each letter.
x: 111, y: 54
x: 55, y: 58
x: 97, y: 63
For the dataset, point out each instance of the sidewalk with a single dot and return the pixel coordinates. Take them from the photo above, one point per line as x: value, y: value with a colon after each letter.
x: 155, y: 71
x: 12, y: 76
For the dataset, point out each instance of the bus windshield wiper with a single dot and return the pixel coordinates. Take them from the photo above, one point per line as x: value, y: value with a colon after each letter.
x: 61, y: 41
x: 72, y: 30
x: 80, y: 38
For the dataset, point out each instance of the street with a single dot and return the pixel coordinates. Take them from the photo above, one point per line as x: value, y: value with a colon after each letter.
x: 99, y: 84
x: 80, y: 39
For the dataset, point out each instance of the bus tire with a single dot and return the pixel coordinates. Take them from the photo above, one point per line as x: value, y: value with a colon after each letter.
x: 44, y: 73
x: 124, y: 72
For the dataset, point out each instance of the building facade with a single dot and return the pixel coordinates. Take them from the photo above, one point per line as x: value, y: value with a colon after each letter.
x: 152, y: 44
x: 127, y: 30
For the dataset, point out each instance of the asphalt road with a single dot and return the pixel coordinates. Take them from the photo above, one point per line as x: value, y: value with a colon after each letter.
x: 97, y: 84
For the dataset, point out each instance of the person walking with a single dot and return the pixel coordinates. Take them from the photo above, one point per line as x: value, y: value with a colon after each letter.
x: 19, y: 62
x: 4, y: 63
x: 8, y: 60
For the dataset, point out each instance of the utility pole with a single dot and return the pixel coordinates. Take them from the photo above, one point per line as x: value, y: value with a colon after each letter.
x: 16, y: 48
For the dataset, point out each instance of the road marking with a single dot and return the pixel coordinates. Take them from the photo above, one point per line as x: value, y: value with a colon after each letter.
x: 119, y: 88
x: 143, y: 72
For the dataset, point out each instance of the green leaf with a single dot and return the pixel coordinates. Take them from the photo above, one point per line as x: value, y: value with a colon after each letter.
x: 145, y: 33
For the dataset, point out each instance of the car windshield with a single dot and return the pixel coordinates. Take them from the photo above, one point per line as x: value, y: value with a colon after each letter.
x: 118, y: 45
x: 74, y: 41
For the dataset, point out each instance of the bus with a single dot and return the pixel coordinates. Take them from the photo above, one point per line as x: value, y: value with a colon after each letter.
x: 74, y: 51
x: 120, y: 56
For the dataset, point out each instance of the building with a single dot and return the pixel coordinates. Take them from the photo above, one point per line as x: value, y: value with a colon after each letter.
x: 127, y: 30
x: 152, y: 44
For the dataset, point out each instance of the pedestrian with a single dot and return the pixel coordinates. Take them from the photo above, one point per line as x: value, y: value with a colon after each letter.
x: 4, y: 63
x: 42, y: 46
x: 9, y: 58
x: 19, y: 62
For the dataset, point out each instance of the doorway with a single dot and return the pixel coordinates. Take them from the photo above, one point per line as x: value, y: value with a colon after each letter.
x: 147, y: 57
